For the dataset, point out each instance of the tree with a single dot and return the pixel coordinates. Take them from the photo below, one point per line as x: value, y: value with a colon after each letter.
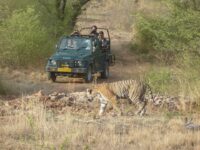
x: 194, y: 4
x: 60, y: 8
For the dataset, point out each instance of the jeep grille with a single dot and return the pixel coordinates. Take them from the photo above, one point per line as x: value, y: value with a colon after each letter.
x: 65, y: 63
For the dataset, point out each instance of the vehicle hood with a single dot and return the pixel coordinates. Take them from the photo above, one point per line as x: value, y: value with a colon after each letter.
x: 70, y: 56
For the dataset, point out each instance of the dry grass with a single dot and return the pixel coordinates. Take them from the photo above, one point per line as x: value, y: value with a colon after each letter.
x: 34, y: 127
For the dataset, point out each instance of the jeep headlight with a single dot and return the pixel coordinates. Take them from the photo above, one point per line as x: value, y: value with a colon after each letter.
x: 79, y: 63
x: 53, y: 62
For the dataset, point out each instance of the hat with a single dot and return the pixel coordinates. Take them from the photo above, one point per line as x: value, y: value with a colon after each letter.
x: 94, y: 26
x: 101, y: 32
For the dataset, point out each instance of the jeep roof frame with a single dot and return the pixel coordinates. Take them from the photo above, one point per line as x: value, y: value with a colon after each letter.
x: 80, y: 35
x: 87, y: 28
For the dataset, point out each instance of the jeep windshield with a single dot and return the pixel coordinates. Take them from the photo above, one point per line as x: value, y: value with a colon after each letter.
x: 75, y: 44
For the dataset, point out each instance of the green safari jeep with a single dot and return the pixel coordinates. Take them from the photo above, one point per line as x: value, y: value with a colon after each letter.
x: 81, y: 55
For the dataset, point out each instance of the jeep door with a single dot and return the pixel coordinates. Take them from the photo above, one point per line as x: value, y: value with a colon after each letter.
x: 99, y: 58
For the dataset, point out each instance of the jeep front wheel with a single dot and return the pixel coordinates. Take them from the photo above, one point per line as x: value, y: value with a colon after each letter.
x: 88, y: 75
x: 52, y: 76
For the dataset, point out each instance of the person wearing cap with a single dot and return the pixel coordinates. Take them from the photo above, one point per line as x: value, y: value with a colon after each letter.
x: 94, y: 31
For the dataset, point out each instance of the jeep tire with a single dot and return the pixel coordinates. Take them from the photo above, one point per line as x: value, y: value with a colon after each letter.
x: 52, y: 76
x: 88, y: 75
x: 105, y: 74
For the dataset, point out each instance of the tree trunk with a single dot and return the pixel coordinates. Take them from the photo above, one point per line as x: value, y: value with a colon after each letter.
x: 60, y: 7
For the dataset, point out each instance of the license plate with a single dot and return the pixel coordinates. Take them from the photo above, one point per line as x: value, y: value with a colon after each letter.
x: 65, y: 69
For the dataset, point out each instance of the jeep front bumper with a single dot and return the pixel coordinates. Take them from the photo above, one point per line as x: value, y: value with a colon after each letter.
x: 66, y: 70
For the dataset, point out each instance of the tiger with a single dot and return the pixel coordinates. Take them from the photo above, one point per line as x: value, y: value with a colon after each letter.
x: 132, y: 90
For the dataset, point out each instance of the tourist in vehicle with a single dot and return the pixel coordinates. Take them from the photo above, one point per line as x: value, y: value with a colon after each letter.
x: 94, y: 31
x: 103, y: 41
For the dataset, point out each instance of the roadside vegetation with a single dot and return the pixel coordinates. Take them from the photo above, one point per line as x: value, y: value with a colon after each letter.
x: 30, y: 29
x: 168, y: 37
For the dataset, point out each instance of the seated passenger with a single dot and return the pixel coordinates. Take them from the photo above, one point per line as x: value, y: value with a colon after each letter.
x: 94, y: 31
x: 103, y: 41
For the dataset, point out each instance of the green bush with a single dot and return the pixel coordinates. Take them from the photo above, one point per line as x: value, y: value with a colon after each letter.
x: 49, y: 17
x: 23, y: 39
x: 73, y: 9
x: 180, y: 79
x: 161, y: 80
x: 170, y: 34
x: 29, y: 33
x: 188, y: 73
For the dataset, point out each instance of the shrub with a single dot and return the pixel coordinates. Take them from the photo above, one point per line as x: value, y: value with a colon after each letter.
x: 161, y: 80
x: 173, y: 38
x: 23, y: 39
x: 188, y: 74
x: 181, y: 79
x: 28, y: 33
x: 169, y: 34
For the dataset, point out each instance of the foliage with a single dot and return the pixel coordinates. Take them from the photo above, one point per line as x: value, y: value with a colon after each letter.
x: 183, y: 78
x: 188, y: 4
x: 188, y: 74
x: 172, y: 37
x: 23, y: 38
x: 30, y: 29
x: 169, y: 35
x: 160, y: 79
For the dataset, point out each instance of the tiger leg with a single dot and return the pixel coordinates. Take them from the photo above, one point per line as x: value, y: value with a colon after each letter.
x: 114, y: 104
x: 142, y: 108
x: 143, y: 111
x: 103, y: 104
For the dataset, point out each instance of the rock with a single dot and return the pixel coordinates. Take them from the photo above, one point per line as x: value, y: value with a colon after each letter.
x: 191, y: 126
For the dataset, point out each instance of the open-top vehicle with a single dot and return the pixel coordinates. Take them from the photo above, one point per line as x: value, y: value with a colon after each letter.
x: 81, y: 55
